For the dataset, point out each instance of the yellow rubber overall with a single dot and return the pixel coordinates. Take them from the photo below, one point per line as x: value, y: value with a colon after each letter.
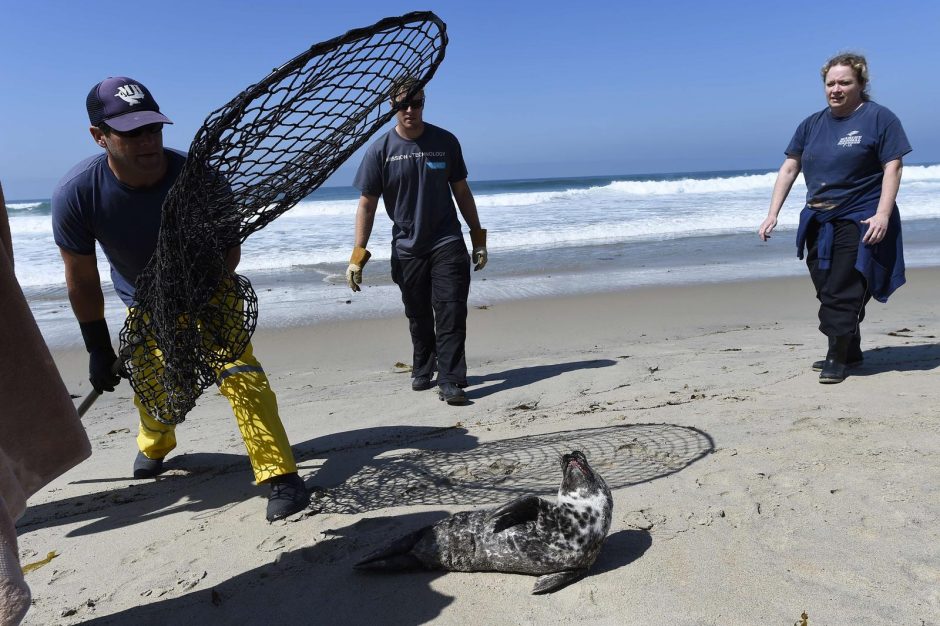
x: 245, y: 385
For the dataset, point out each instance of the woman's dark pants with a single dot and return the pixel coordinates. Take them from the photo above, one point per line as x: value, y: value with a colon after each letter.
x: 841, y: 290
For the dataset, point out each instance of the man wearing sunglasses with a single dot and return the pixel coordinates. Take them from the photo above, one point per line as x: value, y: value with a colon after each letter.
x: 419, y: 171
x: 115, y: 199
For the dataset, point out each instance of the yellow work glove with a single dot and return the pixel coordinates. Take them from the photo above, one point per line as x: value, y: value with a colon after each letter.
x: 356, y: 262
x: 478, y: 239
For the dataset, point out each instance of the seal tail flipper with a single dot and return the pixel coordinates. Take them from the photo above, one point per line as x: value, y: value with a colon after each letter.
x: 395, y: 556
x: 553, y: 582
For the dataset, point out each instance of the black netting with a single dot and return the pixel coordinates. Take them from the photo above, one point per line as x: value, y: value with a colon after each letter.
x: 252, y: 160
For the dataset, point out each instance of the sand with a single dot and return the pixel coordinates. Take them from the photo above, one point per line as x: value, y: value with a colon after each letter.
x: 745, y: 491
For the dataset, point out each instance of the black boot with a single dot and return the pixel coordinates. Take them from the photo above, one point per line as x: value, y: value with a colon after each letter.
x: 854, y: 357
x: 818, y: 365
x: 833, y: 370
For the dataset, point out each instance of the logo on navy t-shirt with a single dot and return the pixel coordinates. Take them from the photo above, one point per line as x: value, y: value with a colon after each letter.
x: 852, y: 139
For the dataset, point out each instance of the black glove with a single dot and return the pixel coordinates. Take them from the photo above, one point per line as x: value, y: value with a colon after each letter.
x: 101, y: 357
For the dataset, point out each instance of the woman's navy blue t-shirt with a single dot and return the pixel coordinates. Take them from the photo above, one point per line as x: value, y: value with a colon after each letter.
x: 842, y: 157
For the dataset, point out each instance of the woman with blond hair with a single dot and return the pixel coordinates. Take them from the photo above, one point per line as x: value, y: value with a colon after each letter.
x: 850, y: 155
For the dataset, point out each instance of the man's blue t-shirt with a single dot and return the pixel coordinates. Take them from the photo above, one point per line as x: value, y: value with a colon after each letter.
x: 842, y: 157
x: 413, y: 177
x: 90, y: 203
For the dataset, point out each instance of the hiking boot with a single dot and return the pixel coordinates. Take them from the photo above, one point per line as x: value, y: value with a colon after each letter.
x: 145, y: 467
x: 288, y: 496
x: 451, y: 394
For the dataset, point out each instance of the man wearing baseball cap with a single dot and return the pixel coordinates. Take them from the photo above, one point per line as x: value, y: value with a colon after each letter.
x: 115, y: 198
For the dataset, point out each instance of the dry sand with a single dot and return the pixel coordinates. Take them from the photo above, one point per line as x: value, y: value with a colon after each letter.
x: 745, y: 491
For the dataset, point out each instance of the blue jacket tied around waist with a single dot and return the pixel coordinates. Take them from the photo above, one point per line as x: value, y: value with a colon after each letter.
x: 881, y: 264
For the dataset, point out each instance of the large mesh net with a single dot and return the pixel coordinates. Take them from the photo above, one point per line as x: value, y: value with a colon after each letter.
x: 252, y: 160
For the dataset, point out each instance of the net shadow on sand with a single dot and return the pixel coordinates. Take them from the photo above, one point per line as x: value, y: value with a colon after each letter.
x: 375, y: 469
x: 497, y: 471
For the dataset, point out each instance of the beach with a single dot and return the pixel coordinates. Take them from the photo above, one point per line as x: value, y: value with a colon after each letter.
x: 644, y: 306
x: 745, y: 492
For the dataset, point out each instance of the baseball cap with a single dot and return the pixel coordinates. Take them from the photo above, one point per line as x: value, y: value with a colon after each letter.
x: 123, y: 104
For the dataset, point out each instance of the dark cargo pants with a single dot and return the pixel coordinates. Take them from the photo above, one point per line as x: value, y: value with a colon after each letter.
x: 434, y: 290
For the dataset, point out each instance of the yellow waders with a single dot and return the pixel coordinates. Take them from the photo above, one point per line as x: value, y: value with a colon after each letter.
x: 254, y: 404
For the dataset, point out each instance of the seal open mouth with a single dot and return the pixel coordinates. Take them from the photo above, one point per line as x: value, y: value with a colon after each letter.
x: 578, y: 460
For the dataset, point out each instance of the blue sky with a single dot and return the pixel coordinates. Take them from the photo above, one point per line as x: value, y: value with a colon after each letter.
x: 532, y: 89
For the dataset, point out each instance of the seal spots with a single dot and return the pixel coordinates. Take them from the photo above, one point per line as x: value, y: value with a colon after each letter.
x: 556, y: 541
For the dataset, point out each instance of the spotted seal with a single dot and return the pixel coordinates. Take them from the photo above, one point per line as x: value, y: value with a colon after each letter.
x: 529, y: 535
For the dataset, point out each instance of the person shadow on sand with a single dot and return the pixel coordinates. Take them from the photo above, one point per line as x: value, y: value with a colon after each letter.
x: 214, y: 482
x: 478, y: 386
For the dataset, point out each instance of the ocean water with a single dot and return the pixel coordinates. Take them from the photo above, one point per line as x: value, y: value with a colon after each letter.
x: 545, y: 237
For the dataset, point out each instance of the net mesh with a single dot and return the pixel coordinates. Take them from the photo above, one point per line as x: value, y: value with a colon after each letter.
x: 252, y: 160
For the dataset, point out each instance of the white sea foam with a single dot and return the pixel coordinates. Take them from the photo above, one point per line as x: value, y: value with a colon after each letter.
x: 316, y: 208
x: 683, y: 186
x: 30, y: 225
x: 562, y: 214
x: 23, y: 206
x: 697, y: 186
x: 921, y: 173
x: 621, y: 188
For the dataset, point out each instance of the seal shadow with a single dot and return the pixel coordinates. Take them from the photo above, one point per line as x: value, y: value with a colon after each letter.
x: 909, y: 358
x: 620, y: 549
x: 210, y: 483
x: 522, y: 376
x: 313, y: 584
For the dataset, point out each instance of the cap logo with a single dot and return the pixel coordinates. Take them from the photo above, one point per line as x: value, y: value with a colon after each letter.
x: 131, y: 94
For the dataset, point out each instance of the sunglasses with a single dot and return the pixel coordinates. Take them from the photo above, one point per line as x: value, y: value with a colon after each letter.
x: 149, y: 129
x: 414, y: 103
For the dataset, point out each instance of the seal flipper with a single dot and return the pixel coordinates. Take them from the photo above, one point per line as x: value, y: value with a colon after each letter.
x: 519, y: 511
x: 553, y: 582
x: 396, y: 555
